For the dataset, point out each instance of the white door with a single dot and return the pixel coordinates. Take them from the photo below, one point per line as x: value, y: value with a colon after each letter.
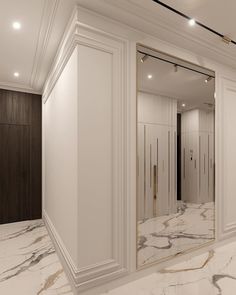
x: 158, y: 169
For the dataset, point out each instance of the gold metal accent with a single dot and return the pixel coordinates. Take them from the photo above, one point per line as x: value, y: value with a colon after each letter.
x: 226, y: 39
x: 155, y: 191
x: 150, y: 160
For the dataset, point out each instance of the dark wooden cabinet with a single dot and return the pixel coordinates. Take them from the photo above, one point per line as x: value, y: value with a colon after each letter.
x: 20, y: 156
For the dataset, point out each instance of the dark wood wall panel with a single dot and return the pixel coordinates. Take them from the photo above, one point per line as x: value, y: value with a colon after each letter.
x: 20, y: 156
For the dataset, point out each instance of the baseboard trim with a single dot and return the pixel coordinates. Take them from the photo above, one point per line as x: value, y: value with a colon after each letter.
x: 62, y: 253
x: 75, y: 275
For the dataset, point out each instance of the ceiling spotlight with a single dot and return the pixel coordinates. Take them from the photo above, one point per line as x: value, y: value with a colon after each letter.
x: 176, y: 68
x: 16, y: 74
x: 192, y: 22
x: 149, y: 76
x: 144, y: 58
x: 183, y: 105
x: 16, y: 25
x: 208, y: 79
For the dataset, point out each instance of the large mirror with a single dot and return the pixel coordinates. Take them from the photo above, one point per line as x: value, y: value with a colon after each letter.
x: 175, y: 156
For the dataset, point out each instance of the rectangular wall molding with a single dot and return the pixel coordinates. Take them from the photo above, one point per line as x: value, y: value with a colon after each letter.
x: 226, y: 160
x: 98, y: 266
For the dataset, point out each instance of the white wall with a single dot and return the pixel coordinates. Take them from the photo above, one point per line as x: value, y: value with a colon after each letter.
x: 111, y: 44
x: 61, y: 156
x: 85, y: 196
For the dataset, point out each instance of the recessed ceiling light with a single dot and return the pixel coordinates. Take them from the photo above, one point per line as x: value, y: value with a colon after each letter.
x: 183, y: 105
x: 149, y: 76
x: 192, y: 22
x: 16, y: 25
x: 16, y: 74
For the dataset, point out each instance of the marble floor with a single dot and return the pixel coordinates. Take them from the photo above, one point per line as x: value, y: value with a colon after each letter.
x: 28, y: 262
x: 212, y: 273
x: 169, y: 235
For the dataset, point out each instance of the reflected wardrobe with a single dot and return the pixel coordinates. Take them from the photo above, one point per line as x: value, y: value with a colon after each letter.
x: 175, y: 156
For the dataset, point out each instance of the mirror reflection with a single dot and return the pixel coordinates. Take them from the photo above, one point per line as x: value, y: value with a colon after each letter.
x: 176, y: 161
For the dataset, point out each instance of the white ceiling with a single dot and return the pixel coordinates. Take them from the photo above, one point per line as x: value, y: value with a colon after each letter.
x: 186, y: 86
x: 150, y: 17
x: 31, y: 50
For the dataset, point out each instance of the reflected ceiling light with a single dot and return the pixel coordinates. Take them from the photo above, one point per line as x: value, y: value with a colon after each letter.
x: 149, y: 76
x: 208, y: 79
x: 183, y: 105
x: 214, y: 95
x: 16, y: 74
x: 16, y: 26
x: 176, y: 68
x: 192, y: 22
x: 144, y: 58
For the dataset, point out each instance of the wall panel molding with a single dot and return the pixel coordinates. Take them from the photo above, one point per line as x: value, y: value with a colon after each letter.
x: 225, y: 159
x: 79, y: 34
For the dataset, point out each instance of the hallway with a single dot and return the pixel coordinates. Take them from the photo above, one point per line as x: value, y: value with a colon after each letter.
x: 29, y: 265
x: 117, y: 147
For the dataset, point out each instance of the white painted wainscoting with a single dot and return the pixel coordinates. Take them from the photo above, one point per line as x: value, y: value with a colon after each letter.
x: 85, y: 197
x: 89, y: 150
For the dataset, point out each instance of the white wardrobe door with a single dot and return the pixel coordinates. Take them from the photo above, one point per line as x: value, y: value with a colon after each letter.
x: 203, y: 167
x: 149, y: 149
x: 190, y: 166
x: 159, y: 168
x: 141, y: 178
x: 211, y: 165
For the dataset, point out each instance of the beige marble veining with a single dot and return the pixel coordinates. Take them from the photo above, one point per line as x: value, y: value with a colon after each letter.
x: 29, y: 264
x: 169, y: 235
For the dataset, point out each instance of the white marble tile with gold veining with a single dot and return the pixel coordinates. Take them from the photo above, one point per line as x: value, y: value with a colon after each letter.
x: 169, y: 235
x: 28, y: 262
x: 211, y: 273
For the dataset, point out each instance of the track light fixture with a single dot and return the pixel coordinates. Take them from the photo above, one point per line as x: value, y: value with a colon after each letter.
x: 208, y: 79
x: 192, y: 22
x: 177, y: 66
x: 145, y: 57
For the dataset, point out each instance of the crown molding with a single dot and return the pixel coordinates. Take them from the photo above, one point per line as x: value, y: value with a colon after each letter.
x: 47, y: 23
x: 165, y: 30
x: 18, y: 87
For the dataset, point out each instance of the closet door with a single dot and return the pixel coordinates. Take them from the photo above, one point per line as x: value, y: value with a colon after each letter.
x: 203, y: 167
x: 149, y: 163
x: 20, y: 156
x: 158, y: 169
x: 141, y: 176
x: 211, y: 165
x: 190, y: 190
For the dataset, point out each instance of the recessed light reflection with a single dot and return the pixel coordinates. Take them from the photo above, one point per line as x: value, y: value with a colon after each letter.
x: 16, y: 26
x: 183, y: 105
x: 192, y: 22
x: 16, y: 74
x: 149, y: 76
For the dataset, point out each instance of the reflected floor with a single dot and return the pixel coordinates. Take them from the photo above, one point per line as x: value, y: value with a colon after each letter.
x: 28, y: 262
x: 169, y: 235
x: 211, y: 273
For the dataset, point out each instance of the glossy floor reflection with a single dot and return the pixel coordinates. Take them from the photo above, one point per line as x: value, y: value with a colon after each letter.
x: 28, y: 262
x: 169, y: 235
x: 212, y: 273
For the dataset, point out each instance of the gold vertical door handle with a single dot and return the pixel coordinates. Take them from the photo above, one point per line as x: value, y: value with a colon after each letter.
x: 154, y: 190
